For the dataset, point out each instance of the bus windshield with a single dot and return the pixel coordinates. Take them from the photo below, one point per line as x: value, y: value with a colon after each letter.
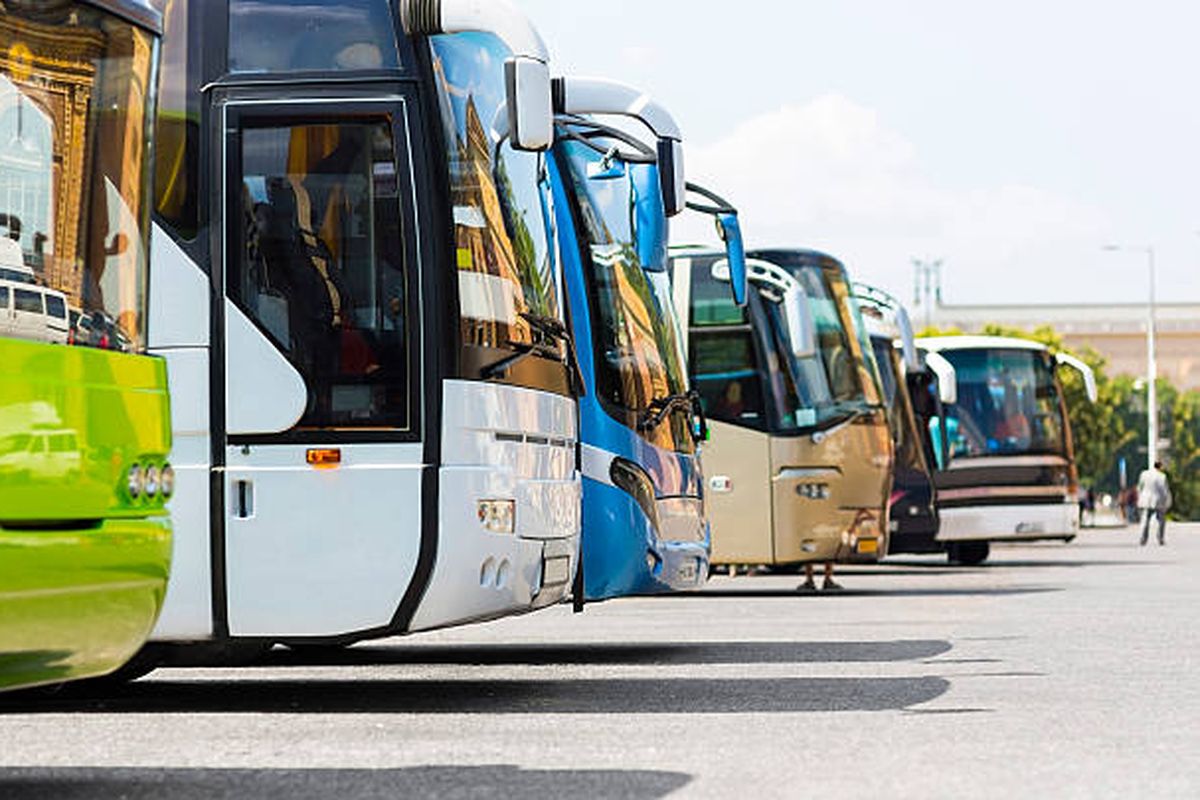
x: 841, y: 381
x: 1008, y: 404
x: 909, y: 449
x: 77, y: 92
x: 640, y: 360
x: 505, y: 242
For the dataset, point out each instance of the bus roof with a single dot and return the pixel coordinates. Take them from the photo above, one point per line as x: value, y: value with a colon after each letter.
x: 795, y: 254
x: 139, y: 12
x: 940, y: 344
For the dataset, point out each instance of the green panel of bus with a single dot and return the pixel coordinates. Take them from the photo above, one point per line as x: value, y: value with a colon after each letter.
x: 85, y: 539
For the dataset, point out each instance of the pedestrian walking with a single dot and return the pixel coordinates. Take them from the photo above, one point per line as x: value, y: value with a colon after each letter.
x: 1154, y: 499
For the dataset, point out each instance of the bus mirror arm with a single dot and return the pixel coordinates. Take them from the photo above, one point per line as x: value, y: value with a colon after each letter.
x: 590, y: 96
x: 1089, y: 375
x: 729, y: 228
x: 946, y: 375
x: 908, y: 344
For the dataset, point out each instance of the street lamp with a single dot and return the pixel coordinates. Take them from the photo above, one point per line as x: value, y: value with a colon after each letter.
x: 1151, y: 353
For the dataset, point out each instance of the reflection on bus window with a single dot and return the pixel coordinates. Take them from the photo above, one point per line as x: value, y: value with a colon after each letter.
x: 322, y: 265
x: 503, y: 229
x: 727, y: 377
x: 640, y: 358
x: 303, y: 36
x: 1008, y: 403
x: 177, y: 127
x: 73, y: 86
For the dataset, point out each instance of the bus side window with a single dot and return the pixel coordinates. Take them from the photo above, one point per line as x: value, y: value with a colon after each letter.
x: 322, y: 267
x: 725, y: 374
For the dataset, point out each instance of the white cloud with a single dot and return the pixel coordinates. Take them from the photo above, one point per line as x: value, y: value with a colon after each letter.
x: 832, y: 175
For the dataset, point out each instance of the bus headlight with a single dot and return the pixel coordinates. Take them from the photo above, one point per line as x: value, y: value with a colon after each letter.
x: 167, y: 481
x: 152, y: 484
x: 634, y: 481
x: 135, y: 481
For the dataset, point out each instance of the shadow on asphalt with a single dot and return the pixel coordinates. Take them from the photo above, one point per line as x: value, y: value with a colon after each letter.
x: 608, y: 654
x: 545, y: 696
x: 950, y: 591
x: 920, y: 568
x: 321, y: 784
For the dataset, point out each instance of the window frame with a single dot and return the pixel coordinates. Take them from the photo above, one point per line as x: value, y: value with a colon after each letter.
x: 241, y: 113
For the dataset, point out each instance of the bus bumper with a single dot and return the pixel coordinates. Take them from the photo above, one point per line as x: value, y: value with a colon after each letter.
x: 1009, y: 523
x: 79, y: 603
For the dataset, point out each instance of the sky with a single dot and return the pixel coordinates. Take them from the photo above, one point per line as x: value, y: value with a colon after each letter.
x: 1011, y: 140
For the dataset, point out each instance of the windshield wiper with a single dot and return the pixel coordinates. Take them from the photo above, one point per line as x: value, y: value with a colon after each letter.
x: 523, y: 351
x: 549, y: 328
x: 661, y: 408
x: 556, y: 329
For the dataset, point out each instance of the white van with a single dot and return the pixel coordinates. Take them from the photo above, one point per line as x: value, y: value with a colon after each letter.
x: 33, y: 312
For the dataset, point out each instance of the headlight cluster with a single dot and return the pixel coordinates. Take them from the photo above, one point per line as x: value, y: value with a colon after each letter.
x: 150, y: 482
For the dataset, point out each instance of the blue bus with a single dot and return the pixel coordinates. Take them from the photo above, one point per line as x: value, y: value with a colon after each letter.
x: 644, y: 526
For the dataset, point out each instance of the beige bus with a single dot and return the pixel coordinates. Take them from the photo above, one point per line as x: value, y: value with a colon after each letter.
x: 799, y: 459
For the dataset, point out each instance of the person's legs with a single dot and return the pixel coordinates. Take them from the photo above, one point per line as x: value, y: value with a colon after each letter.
x: 1146, y: 515
x: 830, y: 583
x: 1162, y: 528
x: 809, y: 584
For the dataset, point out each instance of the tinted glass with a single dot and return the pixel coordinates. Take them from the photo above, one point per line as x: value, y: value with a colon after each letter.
x: 842, y: 379
x: 639, y: 359
x: 27, y: 301
x: 55, y: 307
x: 508, y: 274
x: 712, y: 299
x: 177, y: 129
x: 76, y: 94
x: 1008, y: 404
x: 305, y: 35
x: 3, y: 297
x: 726, y: 374
x: 321, y: 266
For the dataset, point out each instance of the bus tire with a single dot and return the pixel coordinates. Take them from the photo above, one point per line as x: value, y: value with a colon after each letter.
x: 969, y: 554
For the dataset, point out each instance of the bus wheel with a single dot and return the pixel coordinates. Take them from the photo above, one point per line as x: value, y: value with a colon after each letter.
x: 969, y: 554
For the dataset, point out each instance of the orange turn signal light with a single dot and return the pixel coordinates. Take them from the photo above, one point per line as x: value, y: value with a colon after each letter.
x: 327, y: 458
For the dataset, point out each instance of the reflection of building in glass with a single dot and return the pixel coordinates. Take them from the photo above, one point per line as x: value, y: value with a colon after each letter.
x: 63, y: 125
x: 490, y: 287
x: 51, y: 76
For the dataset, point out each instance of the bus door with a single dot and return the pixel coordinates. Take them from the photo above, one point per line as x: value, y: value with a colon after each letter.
x: 321, y: 431
x: 724, y: 361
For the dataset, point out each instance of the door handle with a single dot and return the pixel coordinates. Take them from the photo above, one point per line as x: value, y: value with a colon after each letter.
x: 243, y: 499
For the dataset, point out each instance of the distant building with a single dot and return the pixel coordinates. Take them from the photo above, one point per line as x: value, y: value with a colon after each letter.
x: 1117, y: 332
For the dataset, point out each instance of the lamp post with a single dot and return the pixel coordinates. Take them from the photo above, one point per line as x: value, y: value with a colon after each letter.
x: 1151, y: 353
x: 927, y: 285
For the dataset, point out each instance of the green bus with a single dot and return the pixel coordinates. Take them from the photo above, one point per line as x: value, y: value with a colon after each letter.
x: 85, y: 539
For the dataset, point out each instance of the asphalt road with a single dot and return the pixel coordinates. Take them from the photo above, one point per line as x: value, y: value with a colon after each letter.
x: 1053, y: 671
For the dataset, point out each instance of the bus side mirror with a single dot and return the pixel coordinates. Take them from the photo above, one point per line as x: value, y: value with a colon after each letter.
x: 1089, y: 376
x: 672, y: 175
x: 530, y: 107
x: 946, y: 375
x: 801, y: 329
x: 735, y: 249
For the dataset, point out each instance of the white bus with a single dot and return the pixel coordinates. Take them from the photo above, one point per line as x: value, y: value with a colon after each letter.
x: 359, y: 295
x: 1006, y: 460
